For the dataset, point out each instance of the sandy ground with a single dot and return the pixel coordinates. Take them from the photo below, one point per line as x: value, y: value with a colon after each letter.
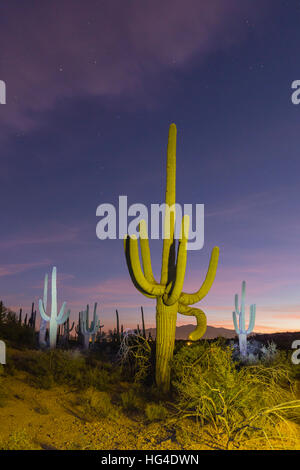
x: 50, y: 419
x: 31, y: 418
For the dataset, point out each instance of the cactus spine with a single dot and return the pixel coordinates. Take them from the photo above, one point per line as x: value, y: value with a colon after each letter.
x: 54, y: 318
x: 240, y: 314
x: 86, y: 330
x: 168, y: 292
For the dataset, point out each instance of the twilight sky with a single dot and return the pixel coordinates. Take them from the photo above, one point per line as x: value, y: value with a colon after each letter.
x: 92, y: 87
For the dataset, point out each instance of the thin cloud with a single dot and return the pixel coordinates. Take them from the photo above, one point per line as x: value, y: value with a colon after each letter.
x: 64, y: 48
x: 12, y: 269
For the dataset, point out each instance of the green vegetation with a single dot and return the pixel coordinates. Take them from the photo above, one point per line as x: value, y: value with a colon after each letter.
x: 215, y: 401
x: 236, y: 403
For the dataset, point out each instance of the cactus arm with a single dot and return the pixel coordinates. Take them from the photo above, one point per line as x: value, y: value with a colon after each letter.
x: 235, y: 323
x: 145, y: 252
x: 45, y: 292
x: 42, y: 311
x: 95, y: 319
x: 146, y: 286
x: 188, y: 299
x: 61, y: 313
x: 243, y: 296
x: 63, y: 319
x: 252, y: 318
x: 170, y: 201
x: 176, y: 290
x: 53, y: 294
x: 200, y: 317
x: 130, y: 270
x: 243, y: 317
x: 236, y: 303
x: 87, y: 315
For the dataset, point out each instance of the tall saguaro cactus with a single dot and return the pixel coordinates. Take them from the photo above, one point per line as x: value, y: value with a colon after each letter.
x: 241, y: 315
x: 168, y: 292
x: 54, y: 318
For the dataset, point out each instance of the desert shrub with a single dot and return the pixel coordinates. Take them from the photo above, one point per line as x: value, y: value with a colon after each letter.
x: 14, y: 333
x: 96, y: 404
x: 155, y: 411
x: 3, y: 392
x: 235, y: 401
x: 136, y: 355
x: 132, y: 401
x: 46, y: 369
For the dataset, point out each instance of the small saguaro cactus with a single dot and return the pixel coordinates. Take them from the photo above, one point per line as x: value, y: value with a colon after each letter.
x: 67, y: 329
x: 143, y: 323
x: 241, y: 315
x: 32, y: 318
x: 20, y: 317
x: 2, y: 352
x: 118, y: 327
x: 89, y: 332
x: 168, y: 292
x: 43, y: 323
x: 54, y: 318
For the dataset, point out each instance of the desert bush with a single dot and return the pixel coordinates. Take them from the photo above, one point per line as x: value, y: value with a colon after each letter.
x: 96, y: 404
x: 132, y: 401
x: 14, y: 333
x: 155, y: 411
x: 46, y: 369
x: 3, y: 393
x: 137, y: 358
x: 236, y: 401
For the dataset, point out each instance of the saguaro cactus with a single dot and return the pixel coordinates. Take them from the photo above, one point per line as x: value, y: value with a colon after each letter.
x: 86, y: 330
x: 143, y: 323
x: 241, y: 329
x: 54, y: 318
x: 67, y: 329
x: 2, y: 352
x: 118, y: 327
x: 168, y: 292
x: 32, y: 318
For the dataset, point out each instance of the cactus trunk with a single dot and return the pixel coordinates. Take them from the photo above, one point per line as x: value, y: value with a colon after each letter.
x: 165, y: 339
x: 243, y: 344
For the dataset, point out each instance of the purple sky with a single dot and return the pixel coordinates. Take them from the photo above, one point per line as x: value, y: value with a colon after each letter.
x: 92, y: 87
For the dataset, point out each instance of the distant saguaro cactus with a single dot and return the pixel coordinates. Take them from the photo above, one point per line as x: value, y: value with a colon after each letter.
x: 54, y: 318
x: 241, y: 315
x: 143, y: 323
x: 32, y: 318
x: 89, y: 332
x: 168, y: 292
x: 118, y: 327
x: 2, y: 352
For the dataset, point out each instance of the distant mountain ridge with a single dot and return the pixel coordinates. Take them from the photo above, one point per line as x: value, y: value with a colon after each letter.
x: 182, y: 332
